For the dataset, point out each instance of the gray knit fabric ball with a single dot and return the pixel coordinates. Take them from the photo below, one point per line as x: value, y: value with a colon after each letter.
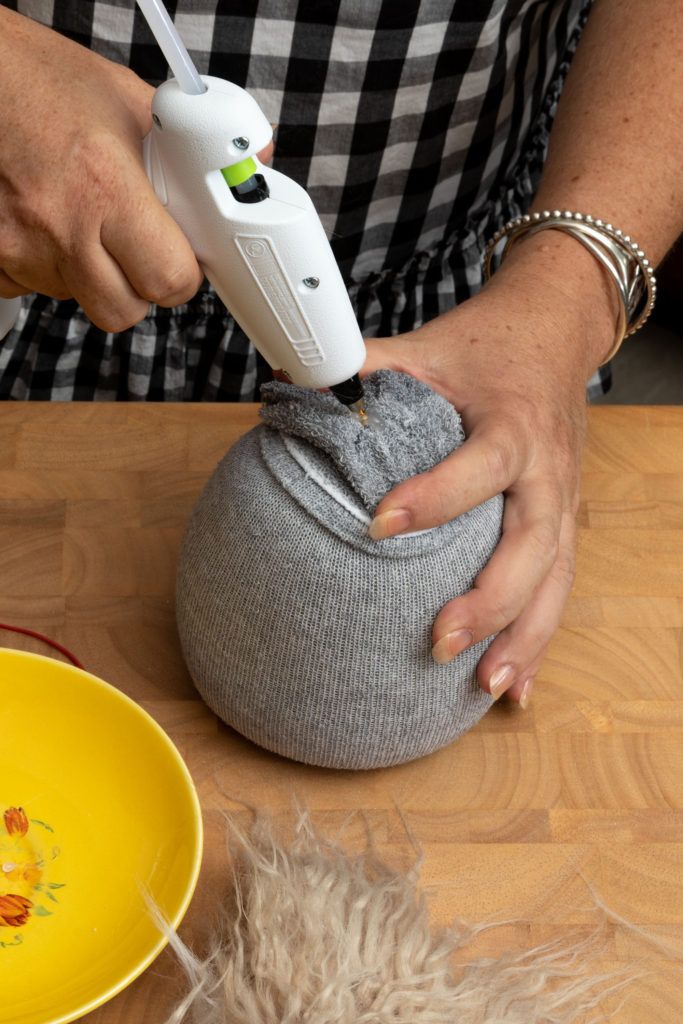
x: 299, y: 630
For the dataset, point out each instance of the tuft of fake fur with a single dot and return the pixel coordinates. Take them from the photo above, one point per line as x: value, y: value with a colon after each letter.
x: 314, y: 935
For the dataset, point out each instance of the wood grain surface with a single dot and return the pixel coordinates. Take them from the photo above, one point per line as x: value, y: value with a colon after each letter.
x: 522, y: 815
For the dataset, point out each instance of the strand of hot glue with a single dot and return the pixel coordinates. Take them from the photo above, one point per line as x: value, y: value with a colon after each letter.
x: 45, y: 639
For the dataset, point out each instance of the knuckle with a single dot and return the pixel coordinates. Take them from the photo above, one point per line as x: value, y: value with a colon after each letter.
x: 499, y: 459
x: 545, y: 542
x: 536, y: 643
x: 528, y: 644
x: 8, y: 291
x: 564, y: 569
x: 436, y: 507
x: 9, y: 287
x: 428, y: 497
x: 500, y: 612
x: 110, y: 322
x: 116, y: 320
x: 175, y: 285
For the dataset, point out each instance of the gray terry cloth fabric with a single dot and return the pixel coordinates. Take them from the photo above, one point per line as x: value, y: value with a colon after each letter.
x: 412, y: 429
x: 301, y: 632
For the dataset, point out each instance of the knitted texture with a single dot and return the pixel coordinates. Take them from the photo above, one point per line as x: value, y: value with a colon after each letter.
x: 299, y: 630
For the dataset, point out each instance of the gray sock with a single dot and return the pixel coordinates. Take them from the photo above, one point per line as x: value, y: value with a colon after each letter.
x: 301, y: 632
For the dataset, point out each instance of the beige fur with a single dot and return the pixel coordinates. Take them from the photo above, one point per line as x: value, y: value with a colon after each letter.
x: 317, y: 936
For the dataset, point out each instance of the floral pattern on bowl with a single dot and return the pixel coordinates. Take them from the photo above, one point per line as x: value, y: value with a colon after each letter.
x: 25, y: 854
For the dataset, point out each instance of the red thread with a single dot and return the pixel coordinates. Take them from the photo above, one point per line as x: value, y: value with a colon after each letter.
x: 46, y: 640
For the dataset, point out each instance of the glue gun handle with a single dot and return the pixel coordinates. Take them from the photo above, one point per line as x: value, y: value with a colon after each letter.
x: 269, y: 260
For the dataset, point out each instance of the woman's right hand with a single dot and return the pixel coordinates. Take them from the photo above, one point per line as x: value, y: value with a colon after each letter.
x: 78, y: 215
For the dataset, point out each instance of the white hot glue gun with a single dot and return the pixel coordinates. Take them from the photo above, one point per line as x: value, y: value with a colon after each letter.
x: 255, y: 231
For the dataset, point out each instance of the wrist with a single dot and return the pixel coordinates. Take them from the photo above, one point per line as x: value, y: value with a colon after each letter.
x: 553, y: 272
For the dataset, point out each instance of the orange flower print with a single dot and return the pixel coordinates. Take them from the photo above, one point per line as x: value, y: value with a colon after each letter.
x: 29, y: 873
x: 16, y: 821
x: 14, y: 910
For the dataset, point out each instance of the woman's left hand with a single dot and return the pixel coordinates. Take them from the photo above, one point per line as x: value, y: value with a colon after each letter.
x: 514, y: 361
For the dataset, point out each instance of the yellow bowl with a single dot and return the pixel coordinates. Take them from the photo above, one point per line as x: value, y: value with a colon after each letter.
x: 95, y: 802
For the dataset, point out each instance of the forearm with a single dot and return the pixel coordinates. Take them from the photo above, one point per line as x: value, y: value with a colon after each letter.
x: 616, y: 148
x: 616, y: 152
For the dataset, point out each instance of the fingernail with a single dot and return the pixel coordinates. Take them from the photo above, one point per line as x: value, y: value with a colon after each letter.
x: 525, y: 695
x: 451, y: 644
x: 389, y: 523
x: 498, y: 679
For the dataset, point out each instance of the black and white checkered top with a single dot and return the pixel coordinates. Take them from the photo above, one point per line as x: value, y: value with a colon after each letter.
x: 417, y: 126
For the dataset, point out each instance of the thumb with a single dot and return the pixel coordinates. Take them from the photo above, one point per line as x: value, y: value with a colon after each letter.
x: 390, y: 354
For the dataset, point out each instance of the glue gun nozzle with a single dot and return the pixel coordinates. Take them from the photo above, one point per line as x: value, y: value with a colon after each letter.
x: 360, y: 412
x: 350, y: 393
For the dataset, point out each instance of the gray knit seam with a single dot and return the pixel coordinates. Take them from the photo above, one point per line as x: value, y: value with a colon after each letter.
x: 329, y: 513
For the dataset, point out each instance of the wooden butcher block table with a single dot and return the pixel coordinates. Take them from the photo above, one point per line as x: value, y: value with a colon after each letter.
x: 517, y: 816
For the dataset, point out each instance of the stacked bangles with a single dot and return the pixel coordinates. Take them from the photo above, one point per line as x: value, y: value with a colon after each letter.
x: 623, y: 260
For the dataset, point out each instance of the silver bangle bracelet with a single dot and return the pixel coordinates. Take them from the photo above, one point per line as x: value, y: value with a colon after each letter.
x: 623, y: 260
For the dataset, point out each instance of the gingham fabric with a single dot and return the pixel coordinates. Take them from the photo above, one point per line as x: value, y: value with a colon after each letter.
x: 417, y: 127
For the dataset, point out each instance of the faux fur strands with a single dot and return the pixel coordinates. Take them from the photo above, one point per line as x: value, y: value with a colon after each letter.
x: 318, y: 936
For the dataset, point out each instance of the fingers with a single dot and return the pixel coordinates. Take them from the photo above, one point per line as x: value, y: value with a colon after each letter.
x: 85, y: 222
x: 522, y: 645
x: 521, y: 592
x: 103, y: 290
x: 33, y: 270
x: 11, y: 289
x: 115, y: 268
x: 151, y: 250
x: 526, y: 552
x: 486, y: 464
